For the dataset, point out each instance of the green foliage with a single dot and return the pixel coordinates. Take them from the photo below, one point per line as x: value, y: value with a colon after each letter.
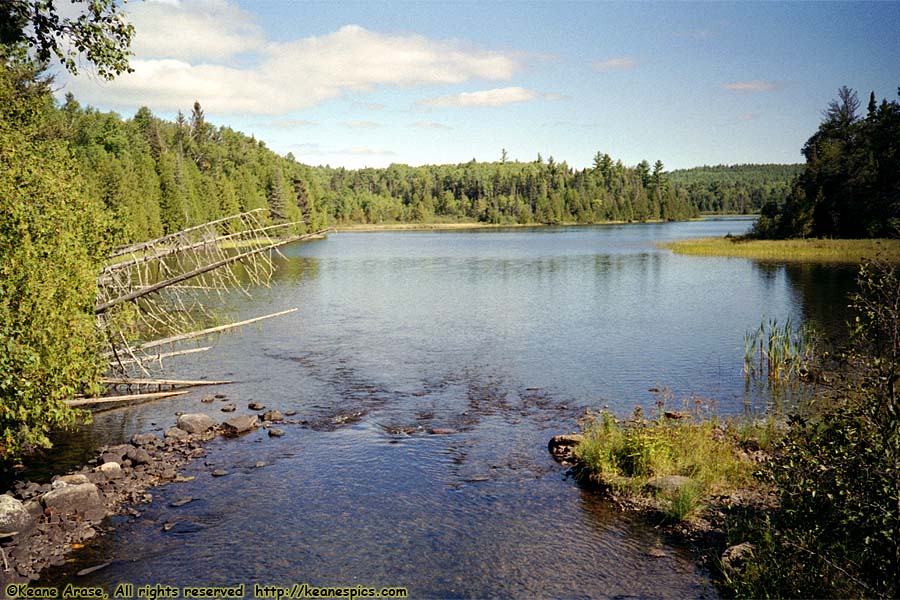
x: 837, y: 531
x: 101, y: 33
x: 51, y: 234
x: 736, y: 188
x: 850, y: 186
x: 624, y: 455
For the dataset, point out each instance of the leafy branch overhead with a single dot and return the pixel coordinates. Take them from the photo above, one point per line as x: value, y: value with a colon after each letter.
x: 101, y: 33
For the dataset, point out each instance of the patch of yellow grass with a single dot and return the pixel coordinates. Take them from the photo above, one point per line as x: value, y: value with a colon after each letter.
x: 798, y: 250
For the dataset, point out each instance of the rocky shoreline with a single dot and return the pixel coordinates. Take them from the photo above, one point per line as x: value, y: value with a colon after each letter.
x: 42, y: 523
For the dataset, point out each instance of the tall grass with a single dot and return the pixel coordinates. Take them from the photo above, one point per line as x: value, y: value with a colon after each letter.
x: 798, y: 250
x: 623, y: 455
x: 783, y: 352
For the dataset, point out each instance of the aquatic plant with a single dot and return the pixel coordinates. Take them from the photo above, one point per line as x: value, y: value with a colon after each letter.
x: 781, y: 352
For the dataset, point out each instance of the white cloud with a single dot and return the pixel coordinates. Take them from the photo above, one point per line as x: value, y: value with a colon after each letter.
x: 757, y: 85
x: 185, y: 51
x: 430, y: 125
x: 366, y: 151
x: 199, y: 29
x: 614, y: 64
x: 749, y: 116
x: 288, y: 123
x: 489, y: 98
x: 360, y: 124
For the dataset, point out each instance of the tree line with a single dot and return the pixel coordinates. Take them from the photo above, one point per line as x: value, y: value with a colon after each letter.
x: 155, y: 176
x: 850, y: 184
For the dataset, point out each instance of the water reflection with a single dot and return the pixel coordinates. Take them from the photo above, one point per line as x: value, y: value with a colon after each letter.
x: 500, y: 339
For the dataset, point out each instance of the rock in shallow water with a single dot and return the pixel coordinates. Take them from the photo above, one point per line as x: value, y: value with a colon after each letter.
x: 14, y: 517
x: 195, y: 422
x: 239, y: 424
x: 562, y: 447
x: 82, y: 499
x: 272, y: 415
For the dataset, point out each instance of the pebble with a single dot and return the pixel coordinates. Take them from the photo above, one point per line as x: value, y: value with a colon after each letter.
x: 181, y: 502
x: 219, y: 473
x: 275, y: 432
x: 229, y: 408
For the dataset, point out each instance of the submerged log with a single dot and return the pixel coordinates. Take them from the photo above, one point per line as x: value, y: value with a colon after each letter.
x: 193, y: 334
x: 172, y: 382
x: 160, y: 356
x: 124, y: 398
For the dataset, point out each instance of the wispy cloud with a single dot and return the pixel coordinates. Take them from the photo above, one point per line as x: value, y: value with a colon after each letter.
x: 614, y: 64
x: 360, y: 124
x: 316, y: 149
x: 749, y: 116
x: 484, y: 98
x: 288, y: 123
x: 430, y: 125
x: 366, y: 151
x: 756, y: 85
x: 185, y: 51
x: 555, y: 97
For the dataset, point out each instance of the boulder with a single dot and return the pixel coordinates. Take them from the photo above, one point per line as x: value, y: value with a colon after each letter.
x: 562, y: 447
x: 14, y: 517
x: 272, y: 415
x: 239, y: 424
x: 73, y: 479
x: 734, y: 559
x: 83, y: 499
x: 670, y: 484
x: 144, y: 439
x: 195, y: 422
x: 255, y: 406
x: 230, y: 407
x: 275, y: 432
x: 112, y: 470
x: 138, y: 456
x: 175, y: 433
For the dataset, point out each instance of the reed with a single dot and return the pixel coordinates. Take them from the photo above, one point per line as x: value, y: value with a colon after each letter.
x: 783, y: 352
x: 797, y: 250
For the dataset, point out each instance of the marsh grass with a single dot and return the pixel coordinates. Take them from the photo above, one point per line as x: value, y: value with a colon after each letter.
x: 623, y: 455
x: 796, y: 250
x: 780, y: 351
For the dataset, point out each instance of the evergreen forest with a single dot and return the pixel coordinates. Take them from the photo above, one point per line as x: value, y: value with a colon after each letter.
x: 155, y: 176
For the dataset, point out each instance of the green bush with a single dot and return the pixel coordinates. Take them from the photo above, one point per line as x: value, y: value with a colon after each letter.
x: 51, y: 235
x: 837, y: 531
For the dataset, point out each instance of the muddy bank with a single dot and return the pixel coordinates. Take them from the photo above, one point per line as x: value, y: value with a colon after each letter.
x: 41, y: 523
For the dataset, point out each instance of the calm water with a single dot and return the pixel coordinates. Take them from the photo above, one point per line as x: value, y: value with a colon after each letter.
x: 504, y: 337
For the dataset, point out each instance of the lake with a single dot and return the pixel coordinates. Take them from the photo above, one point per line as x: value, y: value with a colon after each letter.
x: 501, y: 337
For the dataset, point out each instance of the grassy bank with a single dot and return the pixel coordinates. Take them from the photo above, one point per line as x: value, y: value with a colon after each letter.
x: 677, y: 464
x: 796, y: 250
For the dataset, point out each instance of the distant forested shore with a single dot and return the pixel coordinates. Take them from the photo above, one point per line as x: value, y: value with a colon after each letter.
x: 156, y: 176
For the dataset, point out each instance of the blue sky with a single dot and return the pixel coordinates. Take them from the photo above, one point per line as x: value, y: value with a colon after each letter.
x: 371, y: 83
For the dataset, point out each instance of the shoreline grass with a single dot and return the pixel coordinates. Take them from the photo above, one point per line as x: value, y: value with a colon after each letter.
x: 460, y: 225
x: 795, y: 250
x: 626, y: 457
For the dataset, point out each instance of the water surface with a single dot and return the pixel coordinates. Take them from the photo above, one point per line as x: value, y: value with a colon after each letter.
x: 503, y: 338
